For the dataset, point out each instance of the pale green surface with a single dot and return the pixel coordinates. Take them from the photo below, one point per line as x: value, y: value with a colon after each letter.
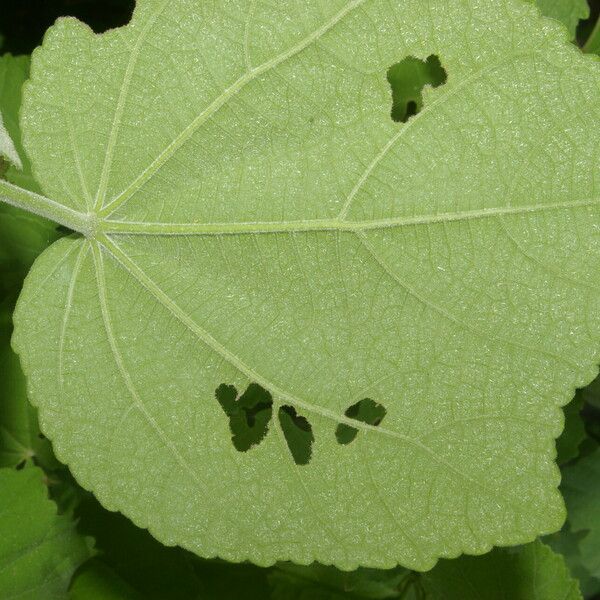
x: 331, y: 255
x: 39, y: 551
x: 532, y: 572
x: 568, y: 12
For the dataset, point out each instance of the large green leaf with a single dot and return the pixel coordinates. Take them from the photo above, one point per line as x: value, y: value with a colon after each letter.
x: 532, y: 572
x: 252, y: 215
x: 39, y: 551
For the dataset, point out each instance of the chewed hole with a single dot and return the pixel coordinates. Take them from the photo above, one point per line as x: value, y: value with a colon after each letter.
x: 249, y: 415
x: 366, y: 411
x: 407, y: 80
x: 298, y: 434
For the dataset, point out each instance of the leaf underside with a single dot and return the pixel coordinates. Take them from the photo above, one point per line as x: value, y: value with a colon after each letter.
x: 263, y: 220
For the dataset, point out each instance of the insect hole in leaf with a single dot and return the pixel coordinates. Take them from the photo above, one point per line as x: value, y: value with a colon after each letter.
x: 298, y: 434
x: 407, y: 80
x: 366, y: 411
x: 249, y: 416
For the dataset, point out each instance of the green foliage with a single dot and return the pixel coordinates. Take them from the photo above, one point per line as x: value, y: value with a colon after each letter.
x: 592, y: 44
x: 176, y: 290
x: 318, y: 582
x: 532, y: 572
x: 22, y: 238
x: 20, y: 436
x: 39, y: 550
x: 581, y: 488
x: 568, y: 12
x: 567, y: 445
x: 268, y: 467
x: 14, y: 70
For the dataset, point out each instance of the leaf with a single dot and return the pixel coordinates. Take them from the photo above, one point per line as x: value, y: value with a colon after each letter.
x: 130, y: 559
x: 566, y: 543
x: 22, y: 236
x: 20, y: 437
x: 7, y: 148
x: 591, y: 393
x: 567, y: 445
x: 592, y: 44
x: 246, y: 222
x: 532, y: 572
x: 319, y: 582
x: 39, y: 550
x: 581, y: 488
x: 14, y: 70
x: 96, y: 581
x: 568, y: 12
x: 407, y: 80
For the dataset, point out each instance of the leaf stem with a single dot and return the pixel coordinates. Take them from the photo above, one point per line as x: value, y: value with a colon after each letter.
x: 84, y: 223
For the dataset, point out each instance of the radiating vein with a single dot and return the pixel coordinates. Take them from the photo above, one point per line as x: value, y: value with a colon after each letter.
x: 442, y: 98
x: 113, y: 228
x: 449, y: 316
x: 67, y: 312
x: 279, y: 394
x: 219, y: 102
x: 116, y: 124
x: 126, y: 377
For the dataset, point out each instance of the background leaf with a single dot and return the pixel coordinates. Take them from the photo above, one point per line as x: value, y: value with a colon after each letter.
x: 567, y: 445
x: 532, y: 572
x: 319, y: 582
x: 38, y: 557
x: 568, y: 12
x: 581, y: 488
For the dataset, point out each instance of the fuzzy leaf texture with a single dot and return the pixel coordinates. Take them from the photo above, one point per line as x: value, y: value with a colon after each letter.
x: 269, y: 248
